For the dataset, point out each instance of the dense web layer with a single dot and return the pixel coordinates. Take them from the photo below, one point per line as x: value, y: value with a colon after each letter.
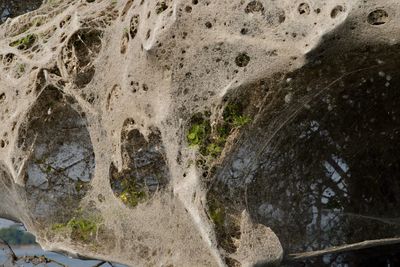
x: 197, y: 132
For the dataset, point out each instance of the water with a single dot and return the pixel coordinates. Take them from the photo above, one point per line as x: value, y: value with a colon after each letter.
x: 22, y: 251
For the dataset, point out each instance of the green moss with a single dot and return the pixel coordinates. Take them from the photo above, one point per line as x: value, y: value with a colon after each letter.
x: 132, y: 193
x: 225, y: 217
x: 234, y: 117
x: 81, y: 228
x: 211, y: 141
x: 217, y: 213
x: 80, y: 185
x: 240, y: 121
x: 214, y: 149
x: 25, y: 42
x: 199, y: 132
x: 58, y: 227
x: 217, y: 216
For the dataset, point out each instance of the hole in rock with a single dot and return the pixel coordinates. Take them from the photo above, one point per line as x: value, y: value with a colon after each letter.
x: 242, y: 60
x: 145, y: 170
x: 79, y: 54
x: 321, y: 170
x: 127, y: 7
x: 254, y: 6
x: 304, y: 9
x: 336, y: 11
x: 188, y: 9
x: 378, y: 17
x: 60, y: 157
x: 11, y: 9
x: 330, y: 174
x: 133, y: 29
x: 8, y: 59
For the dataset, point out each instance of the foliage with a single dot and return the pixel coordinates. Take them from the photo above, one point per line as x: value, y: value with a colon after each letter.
x: 131, y: 195
x: 199, y: 132
x: 24, y: 42
x: 15, y: 236
x: 240, y: 120
x: 234, y: 117
x: 211, y: 141
x: 214, y: 149
x: 217, y: 216
x: 82, y: 228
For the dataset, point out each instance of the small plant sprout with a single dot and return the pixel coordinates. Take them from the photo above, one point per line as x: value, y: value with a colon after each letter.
x: 198, y: 132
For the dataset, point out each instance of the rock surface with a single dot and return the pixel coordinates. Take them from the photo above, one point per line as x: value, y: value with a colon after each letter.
x: 200, y: 133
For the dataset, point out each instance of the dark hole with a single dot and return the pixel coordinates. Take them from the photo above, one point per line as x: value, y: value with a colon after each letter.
x: 254, y: 6
x: 329, y: 177
x: 188, y: 9
x: 304, y: 8
x: 11, y: 9
x: 242, y: 60
x: 244, y: 31
x: 336, y: 11
x: 378, y: 17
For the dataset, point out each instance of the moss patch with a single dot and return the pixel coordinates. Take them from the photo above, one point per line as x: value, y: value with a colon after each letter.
x: 199, y: 131
x: 132, y: 194
x: 81, y: 228
x: 126, y: 187
x: 25, y: 42
x: 211, y: 140
x: 226, y: 225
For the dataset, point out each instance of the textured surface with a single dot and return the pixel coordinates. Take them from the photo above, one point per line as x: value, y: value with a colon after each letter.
x: 137, y: 131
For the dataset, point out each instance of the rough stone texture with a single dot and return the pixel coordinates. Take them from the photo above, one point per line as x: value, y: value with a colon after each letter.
x: 98, y: 99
